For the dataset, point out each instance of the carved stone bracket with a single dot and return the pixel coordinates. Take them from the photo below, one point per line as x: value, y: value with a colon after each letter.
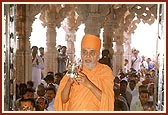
x: 53, y: 13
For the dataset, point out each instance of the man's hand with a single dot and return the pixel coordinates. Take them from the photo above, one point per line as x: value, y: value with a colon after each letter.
x: 82, y: 79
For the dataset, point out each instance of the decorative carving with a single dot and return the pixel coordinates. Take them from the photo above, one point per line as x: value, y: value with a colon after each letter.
x: 104, y: 9
x: 53, y: 13
x: 70, y: 26
x: 138, y: 9
x: 83, y: 11
x: 144, y: 12
x: 153, y: 10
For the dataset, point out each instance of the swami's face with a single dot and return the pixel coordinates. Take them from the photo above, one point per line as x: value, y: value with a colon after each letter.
x: 89, y: 57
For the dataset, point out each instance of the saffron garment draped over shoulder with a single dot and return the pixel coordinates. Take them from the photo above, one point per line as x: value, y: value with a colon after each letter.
x: 82, y: 99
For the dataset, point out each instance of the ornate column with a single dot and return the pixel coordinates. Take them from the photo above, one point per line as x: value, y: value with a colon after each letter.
x: 19, y: 58
x: 117, y: 30
x: 118, y: 55
x: 93, y: 24
x: 127, y: 48
x: 69, y: 26
x: 24, y: 19
x: 52, y: 15
x: 107, y: 34
x: 93, y: 16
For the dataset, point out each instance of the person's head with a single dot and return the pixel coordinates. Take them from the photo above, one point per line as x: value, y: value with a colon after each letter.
x: 41, y: 103
x: 121, y: 75
x: 22, y: 88
x: 143, y: 57
x: 59, y: 48
x: 132, y: 70
x: 40, y: 90
x: 29, y: 93
x: 132, y: 84
x: 63, y: 49
x: 123, y: 86
x: 27, y: 105
x: 125, y: 61
x: 142, y: 87
x: 57, y: 78
x: 147, y: 77
x: 148, y: 60
x: 135, y: 52
x: 41, y: 50
x: 105, y: 53
x: 117, y: 80
x: 34, y: 51
x: 90, y: 50
x: 144, y: 96
x: 49, y: 79
x: 30, y: 84
x: 134, y: 77
x: 50, y: 93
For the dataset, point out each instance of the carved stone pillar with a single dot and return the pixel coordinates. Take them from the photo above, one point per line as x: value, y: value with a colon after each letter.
x: 92, y: 24
x: 118, y: 56
x: 117, y: 31
x: 127, y: 48
x: 70, y: 36
x: 107, y: 34
x: 19, y: 58
x: 52, y: 15
x: 24, y: 20
x: 50, y: 57
x: 92, y: 27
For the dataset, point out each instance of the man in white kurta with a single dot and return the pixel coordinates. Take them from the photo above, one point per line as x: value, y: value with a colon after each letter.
x: 37, y: 66
x: 135, y: 60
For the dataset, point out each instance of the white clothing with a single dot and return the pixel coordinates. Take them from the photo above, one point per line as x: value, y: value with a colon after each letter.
x: 136, y: 62
x: 125, y: 78
x: 36, y: 70
x: 51, y: 106
x: 144, y: 65
x: 125, y: 68
x: 136, y: 104
x: 134, y: 92
x: 138, y: 84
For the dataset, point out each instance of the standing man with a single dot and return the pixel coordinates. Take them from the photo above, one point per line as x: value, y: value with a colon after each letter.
x: 92, y: 89
x: 125, y: 66
x: 41, y: 50
x: 62, y: 58
x: 135, y: 60
x: 37, y: 66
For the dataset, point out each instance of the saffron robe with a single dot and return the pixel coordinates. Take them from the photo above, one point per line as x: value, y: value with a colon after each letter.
x: 82, y: 99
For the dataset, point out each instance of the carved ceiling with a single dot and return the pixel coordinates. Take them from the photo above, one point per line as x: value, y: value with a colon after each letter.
x: 122, y: 17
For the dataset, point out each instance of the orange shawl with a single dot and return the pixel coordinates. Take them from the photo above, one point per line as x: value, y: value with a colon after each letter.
x: 82, y: 99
